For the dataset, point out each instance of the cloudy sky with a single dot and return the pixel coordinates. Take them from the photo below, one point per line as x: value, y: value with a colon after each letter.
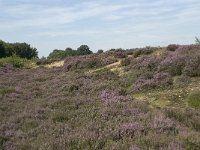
x: 100, y: 24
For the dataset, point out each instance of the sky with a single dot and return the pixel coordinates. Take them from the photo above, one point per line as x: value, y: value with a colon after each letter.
x: 100, y: 24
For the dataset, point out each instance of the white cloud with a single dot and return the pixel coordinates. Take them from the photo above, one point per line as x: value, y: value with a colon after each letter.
x: 101, y: 23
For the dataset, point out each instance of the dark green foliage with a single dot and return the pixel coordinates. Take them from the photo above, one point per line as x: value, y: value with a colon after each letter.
x: 22, y: 50
x: 83, y: 50
x: 100, y: 51
x: 2, y: 49
x: 60, y: 54
x: 57, y: 54
x: 70, y: 52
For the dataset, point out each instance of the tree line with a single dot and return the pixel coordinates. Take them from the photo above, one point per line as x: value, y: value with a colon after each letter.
x: 22, y: 50
x: 59, y: 54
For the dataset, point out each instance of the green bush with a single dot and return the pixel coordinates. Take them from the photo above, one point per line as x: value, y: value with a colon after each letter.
x: 15, y: 61
x: 194, y: 99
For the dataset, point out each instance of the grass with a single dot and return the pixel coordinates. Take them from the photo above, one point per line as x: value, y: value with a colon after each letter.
x: 194, y: 99
x: 16, y: 61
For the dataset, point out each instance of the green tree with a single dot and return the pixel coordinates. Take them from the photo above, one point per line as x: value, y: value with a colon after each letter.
x: 100, y: 51
x: 57, y: 54
x: 22, y: 50
x: 2, y: 49
x: 84, y: 50
x: 70, y: 52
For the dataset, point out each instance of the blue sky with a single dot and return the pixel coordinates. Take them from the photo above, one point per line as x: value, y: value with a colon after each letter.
x: 100, y: 24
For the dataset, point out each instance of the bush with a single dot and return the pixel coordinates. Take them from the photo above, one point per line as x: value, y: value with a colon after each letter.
x: 120, y: 54
x: 57, y: 54
x: 137, y: 53
x: 125, y: 62
x: 143, y: 51
x: 172, y: 47
x: 15, y: 61
x: 158, y: 80
x: 194, y: 99
x: 173, y: 63
x: 100, y: 51
x: 192, y: 67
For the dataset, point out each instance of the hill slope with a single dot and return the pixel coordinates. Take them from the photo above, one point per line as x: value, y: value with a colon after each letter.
x: 136, y: 99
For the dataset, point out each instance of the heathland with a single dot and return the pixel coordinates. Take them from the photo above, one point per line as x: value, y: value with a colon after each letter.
x: 135, y: 99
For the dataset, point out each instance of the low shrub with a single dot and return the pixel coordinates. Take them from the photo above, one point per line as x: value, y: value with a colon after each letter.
x: 194, y: 99
x: 120, y: 54
x: 192, y: 66
x: 15, y: 61
x: 137, y: 53
x: 125, y: 62
x: 173, y: 63
x: 45, y: 61
x: 143, y: 51
x: 158, y: 80
x: 172, y: 47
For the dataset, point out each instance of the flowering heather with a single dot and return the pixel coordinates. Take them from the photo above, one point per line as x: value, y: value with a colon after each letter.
x: 158, y: 80
x: 130, y: 129
x: 108, y: 97
x: 162, y: 123
x: 86, y: 105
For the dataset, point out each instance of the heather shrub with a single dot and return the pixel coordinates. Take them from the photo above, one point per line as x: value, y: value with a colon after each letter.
x: 88, y: 62
x: 194, y: 99
x: 137, y: 53
x: 129, y: 52
x: 192, y: 66
x: 3, y: 141
x: 131, y: 129
x: 161, y: 123
x: 73, y: 88
x: 173, y: 64
x: 142, y: 51
x: 172, y: 47
x: 146, y: 63
x: 28, y: 125
x: 120, y: 54
x: 181, y: 81
x: 60, y: 117
x: 109, y: 97
x: 192, y: 142
x: 125, y: 62
x: 6, y: 90
x: 157, y: 81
